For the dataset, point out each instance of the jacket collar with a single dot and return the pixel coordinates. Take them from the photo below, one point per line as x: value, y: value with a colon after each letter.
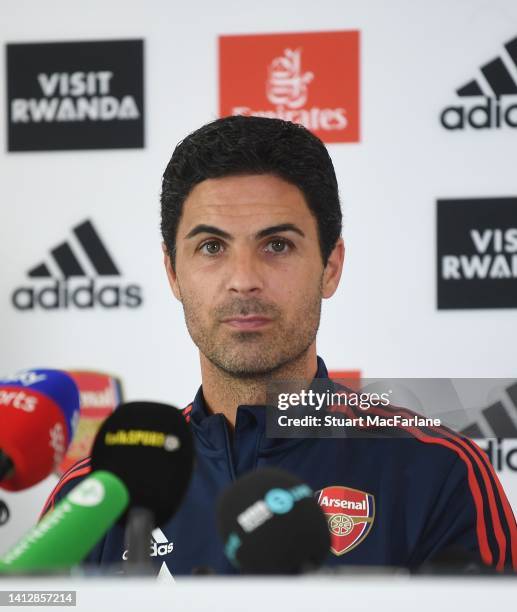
x: 201, y: 418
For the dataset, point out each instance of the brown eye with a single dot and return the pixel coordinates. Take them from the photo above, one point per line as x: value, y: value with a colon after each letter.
x: 278, y: 246
x: 213, y: 247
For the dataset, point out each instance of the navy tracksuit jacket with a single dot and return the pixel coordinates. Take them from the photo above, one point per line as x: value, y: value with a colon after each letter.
x: 394, y: 501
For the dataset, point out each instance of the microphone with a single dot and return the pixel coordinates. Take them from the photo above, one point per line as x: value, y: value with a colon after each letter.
x: 39, y: 410
x: 143, y: 454
x: 149, y: 447
x: 67, y: 534
x: 270, y: 523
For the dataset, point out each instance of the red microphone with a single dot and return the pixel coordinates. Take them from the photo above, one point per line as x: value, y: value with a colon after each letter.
x: 34, y: 432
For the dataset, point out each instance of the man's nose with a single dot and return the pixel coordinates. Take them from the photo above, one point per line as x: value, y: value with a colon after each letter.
x: 244, y: 274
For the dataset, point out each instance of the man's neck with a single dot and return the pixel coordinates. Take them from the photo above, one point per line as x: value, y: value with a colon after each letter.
x: 224, y: 393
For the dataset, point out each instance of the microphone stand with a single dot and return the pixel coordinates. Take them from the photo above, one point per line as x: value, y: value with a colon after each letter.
x: 139, y: 526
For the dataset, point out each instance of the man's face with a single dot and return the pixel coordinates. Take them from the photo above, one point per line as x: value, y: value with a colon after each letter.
x: 249, y: 273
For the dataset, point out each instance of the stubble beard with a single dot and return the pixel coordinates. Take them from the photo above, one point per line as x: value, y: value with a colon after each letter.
x: 254, y: 354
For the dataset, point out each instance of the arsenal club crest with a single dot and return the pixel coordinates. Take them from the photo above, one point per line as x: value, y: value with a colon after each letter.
x: 350, y: 514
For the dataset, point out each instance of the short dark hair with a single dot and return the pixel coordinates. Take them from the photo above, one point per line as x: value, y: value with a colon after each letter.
x: 253, y: 145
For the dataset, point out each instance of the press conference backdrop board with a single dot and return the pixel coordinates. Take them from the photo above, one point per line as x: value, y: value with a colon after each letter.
x: 416, y: 102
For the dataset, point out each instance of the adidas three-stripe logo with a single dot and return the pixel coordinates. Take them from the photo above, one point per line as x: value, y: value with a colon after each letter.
x: 67, y: 260
x: 498, y: 418
x: 497, y: 78
x: 85, y: 257
x: 498, y: 75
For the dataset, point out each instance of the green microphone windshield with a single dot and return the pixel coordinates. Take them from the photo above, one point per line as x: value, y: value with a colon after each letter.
x: 88, y: 511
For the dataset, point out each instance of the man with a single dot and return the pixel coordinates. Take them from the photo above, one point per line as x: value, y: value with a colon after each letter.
x: 251, y: 225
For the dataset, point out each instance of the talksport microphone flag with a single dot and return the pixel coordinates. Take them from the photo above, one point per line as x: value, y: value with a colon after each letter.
x: 67, y: 534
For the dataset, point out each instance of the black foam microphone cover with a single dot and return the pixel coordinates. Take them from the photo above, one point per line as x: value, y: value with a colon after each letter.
x: 271, y: 523
x: 149, y: 447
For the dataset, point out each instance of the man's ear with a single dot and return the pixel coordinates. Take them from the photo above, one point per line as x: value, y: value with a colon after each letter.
x: 171, y: 273
x: 333, y: 269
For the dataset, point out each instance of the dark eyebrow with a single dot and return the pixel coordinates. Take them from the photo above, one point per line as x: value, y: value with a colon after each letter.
x: 283, y: 227
x: 208, y: 229
x: 268, y: 231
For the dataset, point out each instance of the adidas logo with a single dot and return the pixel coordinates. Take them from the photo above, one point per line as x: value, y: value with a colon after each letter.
x: 497, y: 78
x: 160, y: 545
x: 84, y: 256
x: 498, y: 428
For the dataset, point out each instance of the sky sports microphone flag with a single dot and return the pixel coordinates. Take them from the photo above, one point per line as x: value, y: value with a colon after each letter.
x: 39, y: 410
x: 67, y: 534
x: 271, y: 523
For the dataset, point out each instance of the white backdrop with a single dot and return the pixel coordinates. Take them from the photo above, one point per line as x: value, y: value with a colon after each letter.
x: 383, y: 320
